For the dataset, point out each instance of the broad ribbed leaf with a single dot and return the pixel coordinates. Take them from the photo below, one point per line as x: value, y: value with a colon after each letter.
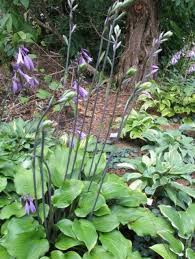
x: 13, y: 209
x: 65, y: 242
x: 3, y: 183
x: 65, y: 226
x: 86, y: 232
x: 4, y: 254
x: 175, y: 245
x: 24, y: 182
x: 86, y: 203
x: 69, y: 191
x: 106, y: 223
x: 99, y: 252
x: 25, y: 238
x: 183, y: 221
x: 115, y: 243
x: 59, y: 255
x: 164, y: 251
x: 149, y: 224
x: 190, y: 254
x: 134, y: 199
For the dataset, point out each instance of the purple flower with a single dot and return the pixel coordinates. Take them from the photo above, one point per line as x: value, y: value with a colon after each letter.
x: 32, y: 81
x: 191, y: 69
x: 84, y: 57
x: 29, y: 205
x: 81, y: 91
x: 191, y: 53
x: 24, y: 59
x: 154, y: 69
x: 16, y: 85
x: 82, y: 135
x: 176, y: 57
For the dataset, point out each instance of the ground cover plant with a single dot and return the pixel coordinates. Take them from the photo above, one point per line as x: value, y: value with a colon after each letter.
x: 74, y: 180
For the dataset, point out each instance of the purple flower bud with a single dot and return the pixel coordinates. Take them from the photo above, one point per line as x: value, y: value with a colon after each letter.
x: 154, y: 69
x: 176, y: 57
x: 84, y: 57
x: 16, y: 85
x: 82, y: 135
x: 81, y: 91
x: 30, y: 80
x: 29, y: 205
x: 191, y: 53
x: 24, y: 59
x: 191, y: 69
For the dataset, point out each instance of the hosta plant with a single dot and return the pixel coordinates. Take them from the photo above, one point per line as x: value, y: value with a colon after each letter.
x: 137, y: 123
x: 169, y: 100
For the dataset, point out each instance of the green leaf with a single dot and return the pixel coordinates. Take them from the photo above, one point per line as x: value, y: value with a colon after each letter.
x: 111, y: 190
x: 175, y: 245
x: 4, y: 254
x: 25, y: 3
x: 184, y: 222
x: 105, y: 223
x: 3, y: 183
x: 23, y: 181
x: 54, y: 85
x: 116, y: 243
x: 65, y: 226
x: 186, y: 189
x: 104, y: 210
x: 43, y: 94
x: 97, y: 253
x: 59, y: 255
x: 24, y: 239
x: 149, y: 224
x: 86, y: 203
x: 163, y: 250
x: 190, y: 254
x: 64, y: 242
x: 14, y: 208
x: 86, y: 232
x: 4, y: 201
x: 58, y: 169
x: 64, y: 196
x: 134, y: 199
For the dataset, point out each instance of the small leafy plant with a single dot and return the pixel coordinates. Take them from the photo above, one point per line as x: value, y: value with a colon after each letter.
x: 170, y: 100
x: 138, y: 122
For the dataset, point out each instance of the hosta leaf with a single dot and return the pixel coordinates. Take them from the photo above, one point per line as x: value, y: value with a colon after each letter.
x: 112, y: 190
x: 24, y: 182
x: 163, y: 250
x: 134, y: 199
x: 104, y: 210
x: 25, y: 3
x: 65, y: 226
x: 3, y: 183
x: 86, y: 232
x: 58, y: 163
x: 4, y: 254
x: 4, y: 201
x: 64, y: 196
x: 105, y: 223
x: 65, y: 242
x: 184, y: 222
x: 99, y: 169
x: 175, y: 245
x: 186, y: 189
x: 149, y: 224
x: 115, y: 243
x: 86, y: 203
x: 99, y: 252
x: 13, y: 209
x: 190, y: 254
x: 59, y: 255
x: 24, y: 239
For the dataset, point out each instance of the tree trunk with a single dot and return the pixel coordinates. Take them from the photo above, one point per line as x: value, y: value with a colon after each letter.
x: 142, y: 28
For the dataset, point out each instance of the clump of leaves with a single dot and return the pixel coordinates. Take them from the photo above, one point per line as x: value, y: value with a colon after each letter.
x: 137, y: 123
x: 170, y: 100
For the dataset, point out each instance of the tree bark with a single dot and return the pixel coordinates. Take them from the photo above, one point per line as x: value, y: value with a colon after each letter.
x: 142, y: 28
